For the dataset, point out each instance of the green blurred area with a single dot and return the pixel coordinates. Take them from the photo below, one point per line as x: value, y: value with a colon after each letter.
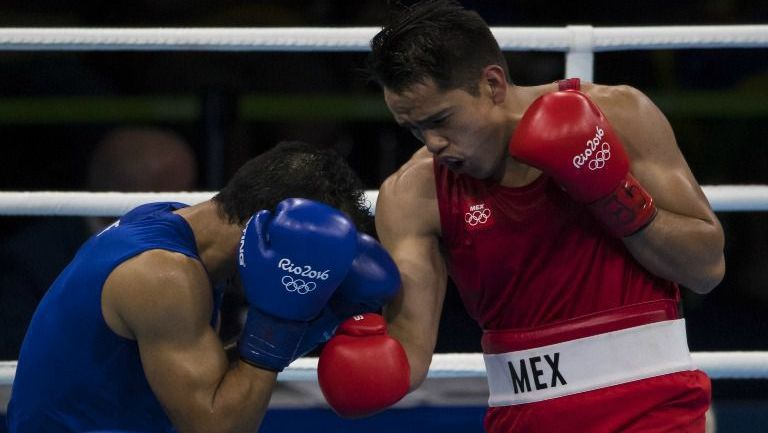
x: 330, y: 107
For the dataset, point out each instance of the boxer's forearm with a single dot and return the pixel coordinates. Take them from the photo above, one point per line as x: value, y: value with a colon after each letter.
x: 681, y: 248
x: 414, y: 324
x: 237, y: 404
x: 245, y: 391
x: 413, y: 317
x: 419, y: 355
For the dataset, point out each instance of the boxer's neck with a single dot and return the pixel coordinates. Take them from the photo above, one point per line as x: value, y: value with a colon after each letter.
x: 215, y: 237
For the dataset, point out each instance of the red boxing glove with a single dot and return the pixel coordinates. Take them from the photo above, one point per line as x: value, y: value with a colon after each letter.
x: 565, y: 135
x: 362, y: 370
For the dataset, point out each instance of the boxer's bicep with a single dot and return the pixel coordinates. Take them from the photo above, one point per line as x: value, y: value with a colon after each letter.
x: 168, y: 311
x: 685, y: 241
x: 655, y: 157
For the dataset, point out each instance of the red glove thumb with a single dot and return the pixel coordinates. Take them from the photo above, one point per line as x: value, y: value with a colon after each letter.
x: 362, y: 370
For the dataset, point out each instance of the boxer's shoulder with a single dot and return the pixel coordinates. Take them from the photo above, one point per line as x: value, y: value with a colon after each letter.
x: 411, y: 191
x: 150, y: 287
x: 414, y: 178
x: 630, y: 112
x: 158, y: 266
x: 607, y: 97
x: 616, y: 100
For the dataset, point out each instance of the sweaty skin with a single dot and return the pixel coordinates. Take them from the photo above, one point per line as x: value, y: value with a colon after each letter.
x: 469, y: 135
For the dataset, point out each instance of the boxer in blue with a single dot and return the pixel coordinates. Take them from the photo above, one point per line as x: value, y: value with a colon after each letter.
x: 125, y: 339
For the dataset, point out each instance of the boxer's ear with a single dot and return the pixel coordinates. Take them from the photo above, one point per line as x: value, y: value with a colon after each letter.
x: 495, y: 80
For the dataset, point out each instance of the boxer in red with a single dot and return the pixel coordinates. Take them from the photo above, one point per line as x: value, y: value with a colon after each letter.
x: 568, y: 219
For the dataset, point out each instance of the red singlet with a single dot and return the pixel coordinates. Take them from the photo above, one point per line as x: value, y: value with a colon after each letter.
x: 531, y: 257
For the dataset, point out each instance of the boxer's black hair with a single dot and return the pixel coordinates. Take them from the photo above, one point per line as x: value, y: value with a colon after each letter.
x: 434, y: 39
x: 295, y: 169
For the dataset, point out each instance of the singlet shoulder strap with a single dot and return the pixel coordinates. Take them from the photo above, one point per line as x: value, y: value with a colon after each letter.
x: 569, y: 84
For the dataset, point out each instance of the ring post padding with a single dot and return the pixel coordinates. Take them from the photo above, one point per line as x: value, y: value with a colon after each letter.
x: 579, y: 60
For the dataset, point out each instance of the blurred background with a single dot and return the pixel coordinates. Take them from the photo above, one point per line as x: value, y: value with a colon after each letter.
x: 187, y: 120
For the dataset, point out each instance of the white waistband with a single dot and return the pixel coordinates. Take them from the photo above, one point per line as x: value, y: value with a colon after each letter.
x: 586, y: 364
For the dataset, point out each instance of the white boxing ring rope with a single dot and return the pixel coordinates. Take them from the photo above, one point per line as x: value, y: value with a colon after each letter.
x: 577, y: 42
x: 724, y: 198
x: 717, y: 365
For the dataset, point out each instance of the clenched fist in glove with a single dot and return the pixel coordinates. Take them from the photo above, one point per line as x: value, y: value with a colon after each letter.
x: 565, y: 135
x: 290, y: 262
x: 362, y: 370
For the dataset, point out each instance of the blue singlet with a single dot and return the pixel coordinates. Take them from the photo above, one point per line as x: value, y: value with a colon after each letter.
x: 75, y: 374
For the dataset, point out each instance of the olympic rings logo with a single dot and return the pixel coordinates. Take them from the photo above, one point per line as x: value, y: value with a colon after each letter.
x: 594, y: 158
x: 477, y: 217
x: 298, y: 285
x: 604, y: 154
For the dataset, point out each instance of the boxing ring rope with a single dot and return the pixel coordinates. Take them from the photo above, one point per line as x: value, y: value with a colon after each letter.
x: 724, y: 198
x: 579, y: 43
x: 718, y: 365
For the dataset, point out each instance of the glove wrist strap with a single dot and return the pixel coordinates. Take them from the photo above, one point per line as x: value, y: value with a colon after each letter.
x: 270, y: 342
x: 627, y: 210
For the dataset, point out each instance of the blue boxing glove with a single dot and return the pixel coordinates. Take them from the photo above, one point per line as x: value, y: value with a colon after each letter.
x: 372, y: 281
x: 290, y: 265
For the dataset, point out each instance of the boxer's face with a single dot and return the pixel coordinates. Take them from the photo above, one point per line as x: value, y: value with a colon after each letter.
x: 463, y: 131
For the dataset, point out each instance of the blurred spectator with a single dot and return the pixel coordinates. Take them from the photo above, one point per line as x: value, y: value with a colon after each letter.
x: 126, y: 159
